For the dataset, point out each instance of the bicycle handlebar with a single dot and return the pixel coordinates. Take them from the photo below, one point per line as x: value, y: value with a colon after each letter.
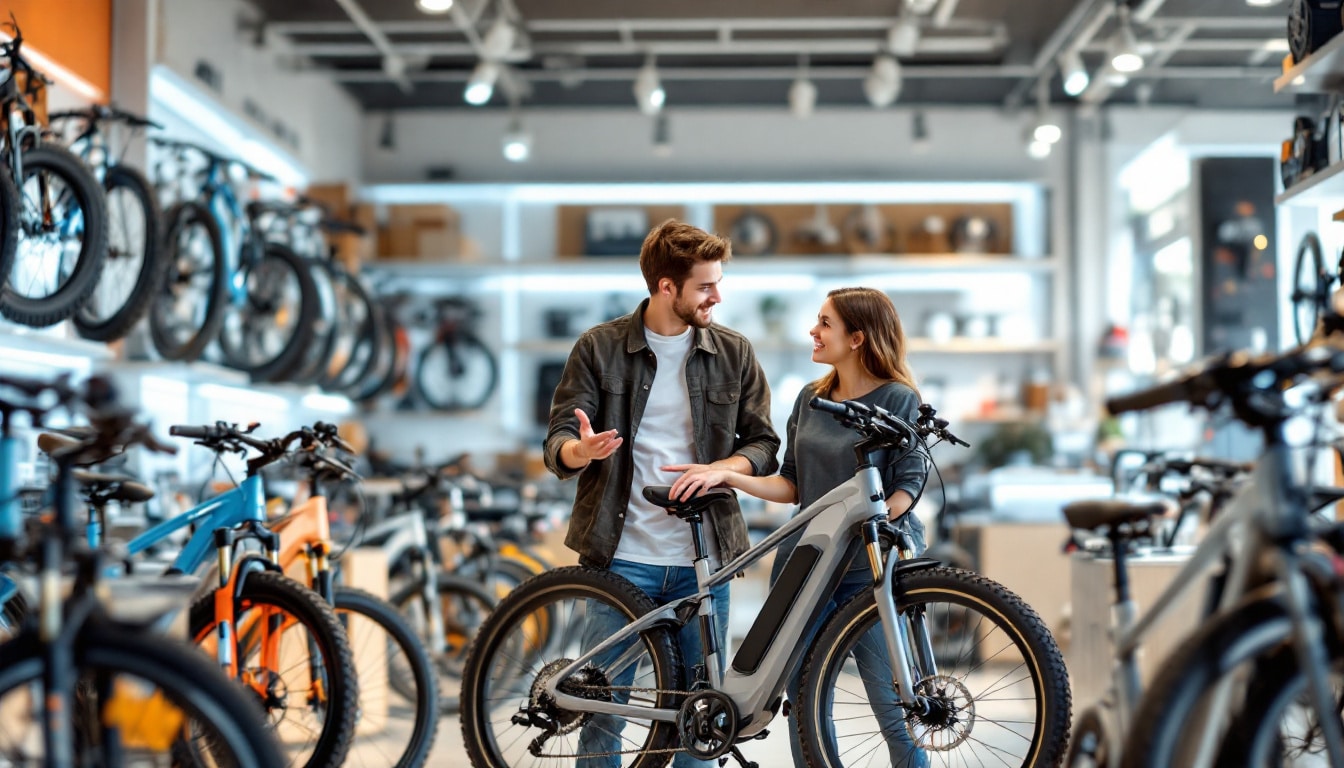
x: 99, y: 112
x: 1236, y: 374
x: 872, y: 419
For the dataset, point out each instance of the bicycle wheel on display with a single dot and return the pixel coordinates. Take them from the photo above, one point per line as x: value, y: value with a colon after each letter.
x: 1231, y: 646
x: 312, y: 362
x: 388, y: 373
x: 312, y: 699
x: 135, y: 266
x: 999, y: 696
x: 456, y: 374
x: 268, y: 333
x: 168, y: 705
x: 63, y: 239
x: 357, y: 336
x: 398, y: 691
x: 464, y: 605
x: 508, y: 720
x: 188, y: 307
x: 1311, y: 287
x: 1276, y: 724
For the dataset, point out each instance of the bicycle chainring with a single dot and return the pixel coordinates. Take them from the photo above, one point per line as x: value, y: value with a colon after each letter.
x: 708, y: 724
x: 950, y: 717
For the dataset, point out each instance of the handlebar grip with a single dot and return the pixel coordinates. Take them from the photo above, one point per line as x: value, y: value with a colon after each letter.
x: 186, y: 430
x: 819, y: 403
x: 1171, y: 392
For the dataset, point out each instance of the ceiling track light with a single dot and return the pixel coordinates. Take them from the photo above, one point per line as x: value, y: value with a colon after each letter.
x: 648, y: 88
x: 481, y: 84
x: 434, y: 6
x: 903, y: 37
x: 499, y: 39
x: 883, y: 83
x: 803, y: 92
x: 1073, y: 73
x: 1046, y: 130
x: 1124, y: 48
x: 516, y: 143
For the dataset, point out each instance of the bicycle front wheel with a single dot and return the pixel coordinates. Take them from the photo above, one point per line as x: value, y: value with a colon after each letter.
x: 1229, y: 647
x: 163, y: 702
x: 999, y: 694
x: 63, y: 243
x: 507, y: 717
x: 135, y: 258
x: 398, y: 695
x: 458, y: 373
x: 307, y: 684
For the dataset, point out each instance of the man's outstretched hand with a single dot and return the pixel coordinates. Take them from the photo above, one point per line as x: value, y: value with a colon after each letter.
x: 591, y: 446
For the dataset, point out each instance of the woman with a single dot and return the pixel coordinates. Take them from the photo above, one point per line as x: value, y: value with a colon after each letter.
x: 858, y: 334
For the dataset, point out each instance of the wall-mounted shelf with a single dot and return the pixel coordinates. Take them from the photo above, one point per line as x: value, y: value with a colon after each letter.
x: 50, y: 349
x: 1324, y: 185
x: 1322, y: 71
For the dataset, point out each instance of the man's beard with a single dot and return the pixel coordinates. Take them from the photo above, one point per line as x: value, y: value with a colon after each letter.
x: 688, y: 313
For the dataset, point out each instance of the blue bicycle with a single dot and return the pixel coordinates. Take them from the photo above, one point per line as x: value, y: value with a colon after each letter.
x: 225, y: 281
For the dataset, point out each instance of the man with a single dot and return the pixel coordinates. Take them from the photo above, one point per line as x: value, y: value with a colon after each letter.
x: 660, y: 386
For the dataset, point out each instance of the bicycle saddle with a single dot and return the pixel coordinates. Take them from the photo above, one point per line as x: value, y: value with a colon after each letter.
x: 658, y: 494
x: 1091, y: 514
x: 101, y: 487
x: 74, y: 439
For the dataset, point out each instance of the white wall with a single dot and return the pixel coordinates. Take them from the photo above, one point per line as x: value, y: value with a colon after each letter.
x: 707, y: 145
x: 325, y: 118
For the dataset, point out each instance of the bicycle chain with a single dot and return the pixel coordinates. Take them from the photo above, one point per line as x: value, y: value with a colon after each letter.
x: 631, y: 688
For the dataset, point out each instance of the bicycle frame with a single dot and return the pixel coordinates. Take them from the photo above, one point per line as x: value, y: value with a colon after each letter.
x: 224, y: 206
x: 244, y: 504
x: 759, y: 671
x: 306, y: 533
x: 408, y: 534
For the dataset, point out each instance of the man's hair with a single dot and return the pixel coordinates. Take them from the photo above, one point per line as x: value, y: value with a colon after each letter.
x: 673, y: 248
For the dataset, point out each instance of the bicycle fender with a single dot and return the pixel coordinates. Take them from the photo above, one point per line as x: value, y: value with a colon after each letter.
x: 916, y: 564
x: 247, y: 565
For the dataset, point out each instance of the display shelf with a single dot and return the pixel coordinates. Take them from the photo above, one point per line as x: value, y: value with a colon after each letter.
x: 48, y: 346
x: 914, y: 345
x: 1320, y: 187
x: 1323, y: 70
x: 829, y: 265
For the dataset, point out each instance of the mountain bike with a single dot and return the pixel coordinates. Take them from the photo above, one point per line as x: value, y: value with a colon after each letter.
x: 57, y: 217
x: 1274, y: 597
x: 945, y: 662
x: 136, y: 261
x: 78, y: 686
x: 272, y: 633
x: 456, y: 371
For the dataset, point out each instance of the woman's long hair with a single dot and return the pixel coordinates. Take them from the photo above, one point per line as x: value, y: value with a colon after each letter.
x: 883, y: 352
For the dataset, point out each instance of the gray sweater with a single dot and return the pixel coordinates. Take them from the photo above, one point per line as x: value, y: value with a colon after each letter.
x: 820, y: 451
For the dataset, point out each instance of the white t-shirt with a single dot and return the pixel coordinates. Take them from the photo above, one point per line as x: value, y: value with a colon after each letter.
x: 666, y: 435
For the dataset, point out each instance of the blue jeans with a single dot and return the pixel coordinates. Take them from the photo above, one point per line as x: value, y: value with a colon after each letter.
x: 870, y: 655
x: 602, y: 733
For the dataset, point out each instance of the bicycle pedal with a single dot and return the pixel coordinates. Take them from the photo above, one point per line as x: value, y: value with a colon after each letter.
x: 741, y: 759
x: 763, y: 734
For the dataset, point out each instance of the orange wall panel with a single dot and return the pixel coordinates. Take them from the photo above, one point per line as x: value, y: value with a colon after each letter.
x: 77, y: 34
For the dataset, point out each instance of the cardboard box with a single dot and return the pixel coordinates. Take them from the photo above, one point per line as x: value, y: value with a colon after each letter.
x: 430, y: 232
x: 337, y: 197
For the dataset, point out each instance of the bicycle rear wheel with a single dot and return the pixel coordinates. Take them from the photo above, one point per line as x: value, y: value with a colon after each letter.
x: 1000, y: 695
x: 399, y: 713
x: 63, y: 240
x: 170, y: 705
x: 509, y: 720
x: 314, y: 715
x: 1311, y: 287
x: 135, y: 258
x: 456, y: 374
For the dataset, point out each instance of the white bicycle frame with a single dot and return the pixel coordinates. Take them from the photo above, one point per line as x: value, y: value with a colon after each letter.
x: 398, y: 535
x: 758, y: 673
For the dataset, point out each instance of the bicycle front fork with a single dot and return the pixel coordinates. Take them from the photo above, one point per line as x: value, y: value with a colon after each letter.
x: 897, y: 630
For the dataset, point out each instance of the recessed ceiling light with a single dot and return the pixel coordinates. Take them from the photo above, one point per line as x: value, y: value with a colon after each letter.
x: 434, y: 6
